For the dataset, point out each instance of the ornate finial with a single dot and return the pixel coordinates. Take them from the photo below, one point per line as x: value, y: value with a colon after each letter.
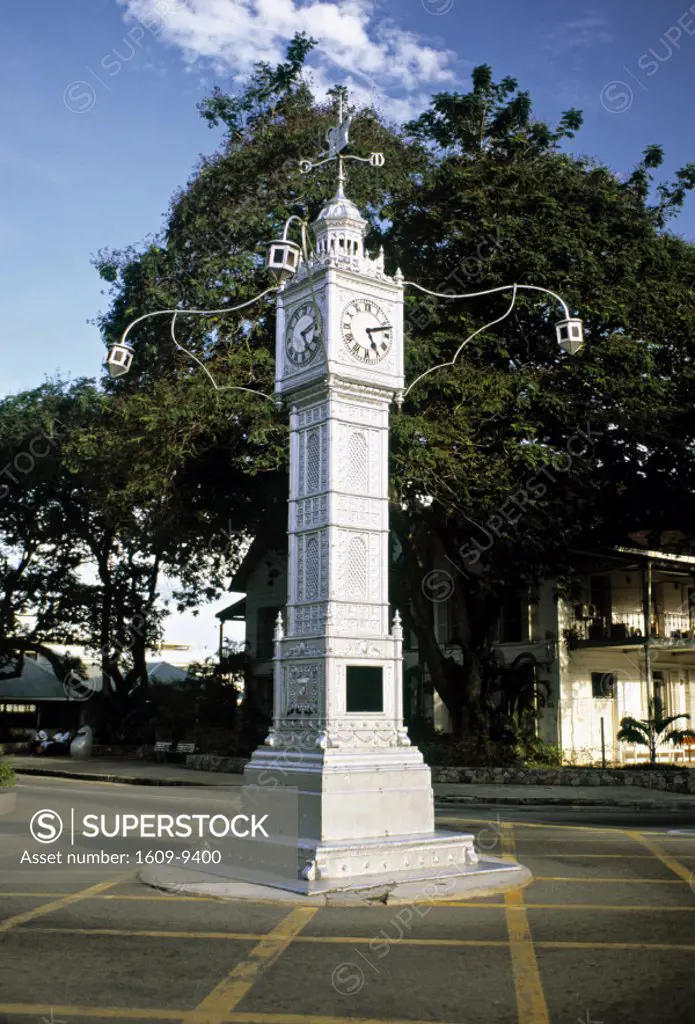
x: 397, y: 629
x: 279, y: 628
x: 338, y: 140
x: 398, y: 276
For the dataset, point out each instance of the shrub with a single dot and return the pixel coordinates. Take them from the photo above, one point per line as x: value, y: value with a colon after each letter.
x: 540, y: 754
x: 451, y: 752
x: 7, y: 775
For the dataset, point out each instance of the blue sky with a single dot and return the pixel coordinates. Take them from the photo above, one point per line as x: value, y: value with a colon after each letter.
x: 99, y: 121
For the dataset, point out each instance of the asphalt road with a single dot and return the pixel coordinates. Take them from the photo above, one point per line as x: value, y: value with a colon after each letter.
x: 603, y: 935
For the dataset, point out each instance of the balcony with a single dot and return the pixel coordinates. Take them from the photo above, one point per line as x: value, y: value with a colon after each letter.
x: 668, y: 629
x: 234, y: 656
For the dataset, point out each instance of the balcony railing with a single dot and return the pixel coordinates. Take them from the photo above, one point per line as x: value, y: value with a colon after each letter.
x: 666, y: 627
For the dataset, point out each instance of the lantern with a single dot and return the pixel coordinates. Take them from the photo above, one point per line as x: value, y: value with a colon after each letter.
x: 283, y: 258
x: 119, y: 359
x: 570, y: 335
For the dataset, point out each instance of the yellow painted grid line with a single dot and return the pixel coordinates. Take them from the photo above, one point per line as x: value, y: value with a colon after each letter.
x: 63, y: 901
x: 666, y: 859
x: 530, y: 1000
x: 123, y: 1013
x: 617, y: 833
x: 613, y: 881
x: 354, y: 940
x: 223, y: 999
x: 574, y: 906
x: 159, y: 897
x: 341, y: 940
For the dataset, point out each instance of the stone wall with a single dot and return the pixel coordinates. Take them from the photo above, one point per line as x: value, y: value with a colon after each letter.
x: 672, y: 780
x: 216, y: 763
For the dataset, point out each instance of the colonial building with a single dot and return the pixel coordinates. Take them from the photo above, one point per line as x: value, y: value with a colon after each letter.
x: 625, y: 632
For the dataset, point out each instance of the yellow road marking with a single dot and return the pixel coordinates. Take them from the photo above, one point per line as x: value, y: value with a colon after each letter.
x: 64, y: 901
x: 616, y: 832
x: 530, y: 1000
x: 151, y: 933
x: 666, y: 859
x: 306, y: 1018
x: 525, y: 824
x: 117, y: 896
x: 217, y: 1007
x: 613, y: 881
x: 572, y: 906
x: 586, y: 856
x: 123, y: 1013
x: 342, y: 940
x: 616, y: 945
x: 109, y: 1012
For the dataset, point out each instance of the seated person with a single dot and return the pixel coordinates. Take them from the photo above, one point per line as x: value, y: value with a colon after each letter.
x: 59, y: 744
x: 40, y: 742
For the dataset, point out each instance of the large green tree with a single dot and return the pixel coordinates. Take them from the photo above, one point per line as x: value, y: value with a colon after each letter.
x: 92, y: 523
x: 476, y: 193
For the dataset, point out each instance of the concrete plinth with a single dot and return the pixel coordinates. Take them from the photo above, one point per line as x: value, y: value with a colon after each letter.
x: 351, y: 795
x: 490, y: 876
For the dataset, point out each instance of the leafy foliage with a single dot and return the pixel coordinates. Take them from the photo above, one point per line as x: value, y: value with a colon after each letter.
x: 158, y: 467
x: 7, y: 775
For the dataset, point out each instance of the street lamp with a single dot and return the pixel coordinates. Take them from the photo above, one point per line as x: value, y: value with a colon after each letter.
x: 119, y: 359
x: 570, y: 335
x: 284, y: 255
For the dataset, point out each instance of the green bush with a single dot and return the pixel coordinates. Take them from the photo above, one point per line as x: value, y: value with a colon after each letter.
x: 451, y: 752
x: 540, y: 754
x: 7, y: 775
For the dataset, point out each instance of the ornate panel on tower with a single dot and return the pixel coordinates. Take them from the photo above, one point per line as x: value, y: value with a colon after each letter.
x: 311, y: 512
x: 358, y: 461
x: 302, y: 687
x: 312, y: 567
x: 358, y: 512
x: 309, y: 620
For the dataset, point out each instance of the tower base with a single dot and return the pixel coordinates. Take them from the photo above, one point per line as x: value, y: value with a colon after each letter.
x: 422, y: 885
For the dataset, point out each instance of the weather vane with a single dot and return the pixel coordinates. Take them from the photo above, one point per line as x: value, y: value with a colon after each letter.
x: 338, y: 140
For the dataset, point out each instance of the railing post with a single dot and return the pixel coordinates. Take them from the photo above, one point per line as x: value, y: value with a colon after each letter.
x: 647, y: 609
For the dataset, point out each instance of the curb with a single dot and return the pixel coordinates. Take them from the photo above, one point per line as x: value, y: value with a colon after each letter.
x: 125, y: 780
x: 525, y: 801
x: 539, y: 801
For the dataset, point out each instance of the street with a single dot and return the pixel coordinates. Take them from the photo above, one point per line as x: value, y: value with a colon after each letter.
x: 603, y: 934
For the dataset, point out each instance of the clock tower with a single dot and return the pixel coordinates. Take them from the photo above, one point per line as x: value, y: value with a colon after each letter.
x: 365, y: 801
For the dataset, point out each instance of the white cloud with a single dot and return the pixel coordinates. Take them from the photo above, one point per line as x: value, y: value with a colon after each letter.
x: 579, y: 34
x: 378, y: 60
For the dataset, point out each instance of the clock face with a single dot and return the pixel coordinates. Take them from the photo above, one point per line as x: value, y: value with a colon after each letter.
x: 366, y: 330
x: 303, y: 335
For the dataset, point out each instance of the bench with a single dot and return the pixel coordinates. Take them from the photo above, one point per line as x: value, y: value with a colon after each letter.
x: 174, y: 751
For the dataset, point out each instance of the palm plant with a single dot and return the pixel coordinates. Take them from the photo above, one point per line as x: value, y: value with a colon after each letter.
x: 651, y: 731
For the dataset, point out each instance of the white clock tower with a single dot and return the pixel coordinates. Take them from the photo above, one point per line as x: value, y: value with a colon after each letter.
x: 366, y: 809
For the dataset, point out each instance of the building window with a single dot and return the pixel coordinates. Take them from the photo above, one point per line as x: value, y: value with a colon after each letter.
x: 513, y: 622
x: 660, y: 691
x: 600, y: 600
x: 603, y: 685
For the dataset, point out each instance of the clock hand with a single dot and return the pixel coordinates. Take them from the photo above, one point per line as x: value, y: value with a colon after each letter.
x: 306, y: 330
x: 376, y: 330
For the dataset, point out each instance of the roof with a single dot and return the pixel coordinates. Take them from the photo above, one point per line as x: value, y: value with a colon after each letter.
x: 163, y: 672
x: 240, y: 578
x: 256, y: 553
x: 34, y: 684
x: 235, y: 612
x: 340, y: 208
